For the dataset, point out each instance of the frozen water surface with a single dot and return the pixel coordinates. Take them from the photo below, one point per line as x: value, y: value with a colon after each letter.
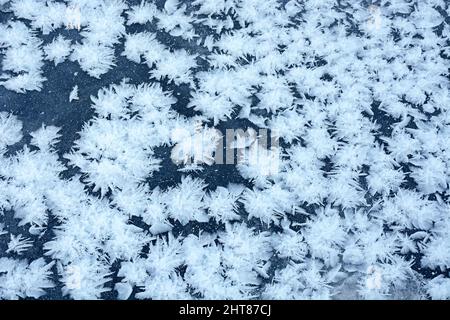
x: 119, y: 191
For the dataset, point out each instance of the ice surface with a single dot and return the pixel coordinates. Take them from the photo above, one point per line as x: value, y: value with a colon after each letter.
x: 257, y: 149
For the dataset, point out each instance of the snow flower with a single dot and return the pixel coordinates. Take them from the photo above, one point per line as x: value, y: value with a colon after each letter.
x: 57, y: 50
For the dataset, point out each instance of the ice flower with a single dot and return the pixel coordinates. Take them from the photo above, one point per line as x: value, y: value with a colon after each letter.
x: 325, y: 236
x: 57, y: 50
x: 222, y: 203
x: 176, y: 66
x: 138, y: 45
x: 93, y: 58
x: 142, y: 13
x: 10, y: 130
x: 20, y: 279
x: 46, y: 137
x: 185, y: 201
x: 19, y: 244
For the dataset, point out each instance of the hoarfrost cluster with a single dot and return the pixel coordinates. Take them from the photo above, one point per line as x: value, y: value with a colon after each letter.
x: 353, y: 202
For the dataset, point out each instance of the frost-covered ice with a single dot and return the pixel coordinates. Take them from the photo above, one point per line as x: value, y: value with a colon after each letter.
x: 149, y: 197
